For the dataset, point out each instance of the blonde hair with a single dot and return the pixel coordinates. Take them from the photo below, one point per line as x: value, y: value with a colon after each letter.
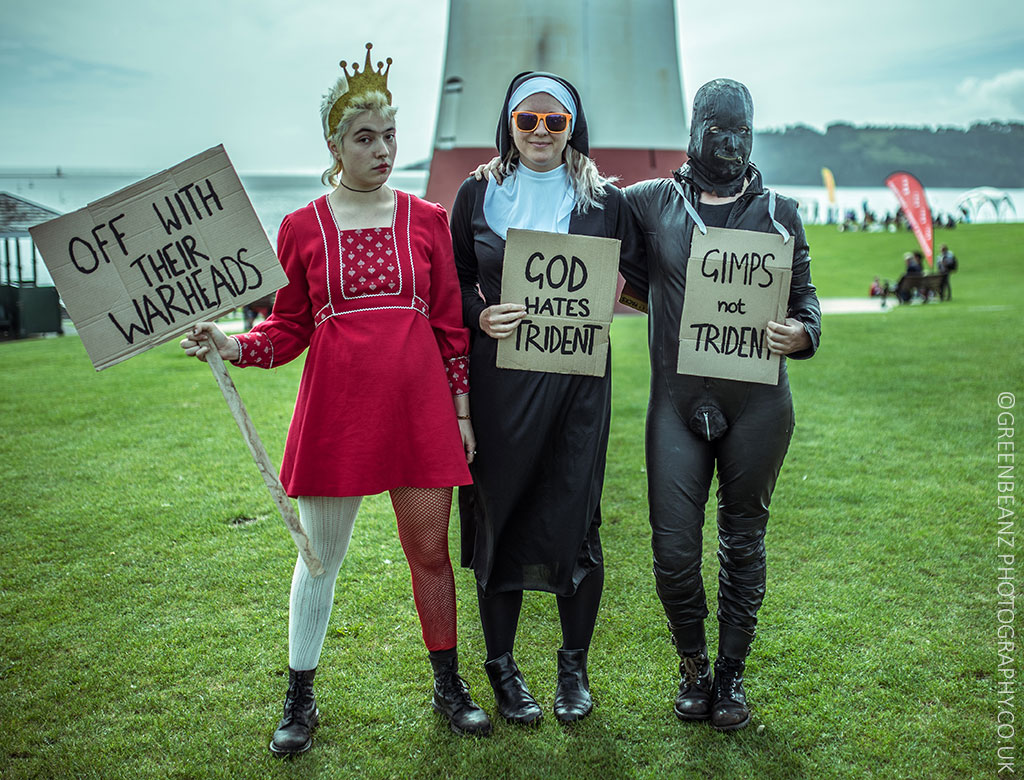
x: 375, y: 102
x: 586, y: 179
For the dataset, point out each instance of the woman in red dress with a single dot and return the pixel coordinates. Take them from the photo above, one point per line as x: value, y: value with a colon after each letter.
x: 383, y: 402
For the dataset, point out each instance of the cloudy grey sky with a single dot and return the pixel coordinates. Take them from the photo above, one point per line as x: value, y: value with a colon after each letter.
x: 138, y: 85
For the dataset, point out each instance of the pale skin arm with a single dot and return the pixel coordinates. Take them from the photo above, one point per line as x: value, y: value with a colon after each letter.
x: 198, y: 342
x: 787, y: 337
x: 465, y: 426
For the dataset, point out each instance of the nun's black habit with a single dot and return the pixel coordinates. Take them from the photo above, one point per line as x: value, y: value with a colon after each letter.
x: 531, y: 519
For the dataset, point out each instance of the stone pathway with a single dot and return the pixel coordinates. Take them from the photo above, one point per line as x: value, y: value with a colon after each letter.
x: 854, y: 305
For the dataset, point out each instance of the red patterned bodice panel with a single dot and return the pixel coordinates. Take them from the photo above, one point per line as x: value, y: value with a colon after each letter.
x: 368, y: 268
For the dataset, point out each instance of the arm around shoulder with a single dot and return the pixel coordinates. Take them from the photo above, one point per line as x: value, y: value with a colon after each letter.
x: 632, y: 254
x: 641, y: 199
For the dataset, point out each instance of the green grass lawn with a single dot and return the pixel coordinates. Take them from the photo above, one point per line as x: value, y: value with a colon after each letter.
x: 144, y: 573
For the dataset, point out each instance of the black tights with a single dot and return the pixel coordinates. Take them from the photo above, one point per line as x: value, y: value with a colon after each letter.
x: 499, y: 615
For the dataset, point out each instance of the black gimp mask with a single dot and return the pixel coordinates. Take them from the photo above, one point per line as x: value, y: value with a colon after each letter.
x: 721, y: 136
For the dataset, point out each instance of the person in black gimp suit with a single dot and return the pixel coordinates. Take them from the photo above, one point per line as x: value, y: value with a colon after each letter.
x: 696, y: 424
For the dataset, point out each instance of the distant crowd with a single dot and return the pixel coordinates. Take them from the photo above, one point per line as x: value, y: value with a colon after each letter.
x: 891, y: 222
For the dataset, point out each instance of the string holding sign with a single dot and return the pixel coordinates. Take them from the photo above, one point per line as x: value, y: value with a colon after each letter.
x: 259, y: 454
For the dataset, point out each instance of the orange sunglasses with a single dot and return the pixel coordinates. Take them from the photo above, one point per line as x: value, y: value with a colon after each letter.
x: 555, y: 121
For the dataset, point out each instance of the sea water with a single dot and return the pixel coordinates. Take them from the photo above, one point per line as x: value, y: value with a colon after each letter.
x: 275, y: 195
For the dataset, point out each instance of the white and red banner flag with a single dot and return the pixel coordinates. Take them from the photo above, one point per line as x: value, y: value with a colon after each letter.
x: 910, y: 194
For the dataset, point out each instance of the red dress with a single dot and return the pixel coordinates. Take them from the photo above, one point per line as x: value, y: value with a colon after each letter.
x: 381, y: 312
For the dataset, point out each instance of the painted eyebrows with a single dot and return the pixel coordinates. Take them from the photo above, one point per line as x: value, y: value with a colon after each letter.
x: 375, y: 130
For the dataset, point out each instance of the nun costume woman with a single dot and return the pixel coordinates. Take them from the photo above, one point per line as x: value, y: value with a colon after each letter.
x: 532, y: 517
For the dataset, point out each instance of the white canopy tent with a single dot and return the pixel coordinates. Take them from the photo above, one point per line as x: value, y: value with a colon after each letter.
x: 973, y: 201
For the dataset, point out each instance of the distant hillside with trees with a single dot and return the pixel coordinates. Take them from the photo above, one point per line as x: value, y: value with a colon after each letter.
x: 990, y: 154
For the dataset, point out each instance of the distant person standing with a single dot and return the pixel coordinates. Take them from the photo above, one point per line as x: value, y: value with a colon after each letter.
x: 947, y: 264
x: 947, y: 260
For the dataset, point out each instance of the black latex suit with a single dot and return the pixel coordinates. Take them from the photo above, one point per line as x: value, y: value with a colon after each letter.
x: 695, y: 424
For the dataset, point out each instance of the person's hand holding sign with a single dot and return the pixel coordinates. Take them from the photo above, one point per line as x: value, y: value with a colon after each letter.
x: 202, y: 335
x: 787, y: 337
x: 501, y: 320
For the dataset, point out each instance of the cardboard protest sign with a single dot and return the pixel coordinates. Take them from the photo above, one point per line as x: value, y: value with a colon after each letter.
x: 736, y: 280
x: 568, y: 284
x: 140, y: 266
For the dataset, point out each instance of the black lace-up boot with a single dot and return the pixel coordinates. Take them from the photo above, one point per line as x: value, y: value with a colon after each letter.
x: 693, y: 702
x: 515, y: 702
x: 729, y: 710
x: 300, y: 716
x: 451, y: 696
x: 572, y: 696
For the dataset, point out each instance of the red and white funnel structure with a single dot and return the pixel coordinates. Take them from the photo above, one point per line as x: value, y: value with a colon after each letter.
x: 620, y: 54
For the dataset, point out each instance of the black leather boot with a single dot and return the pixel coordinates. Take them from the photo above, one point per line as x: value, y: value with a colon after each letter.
x: 300, y: 716
x: 572, y: 696
x: 693, y: 702
x: 729, y: 710
x: 515, y: 702
x: 451, y: 696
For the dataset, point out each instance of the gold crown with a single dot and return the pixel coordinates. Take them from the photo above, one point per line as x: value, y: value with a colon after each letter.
x: 368, y: 80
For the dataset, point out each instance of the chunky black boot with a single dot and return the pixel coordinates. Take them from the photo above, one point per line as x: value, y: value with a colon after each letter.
x: 693, y: 702
x: 729, y: 710
x: 300, y: 716
x: 572, y: 696
x: 451, y: 696
x: 515, y: 702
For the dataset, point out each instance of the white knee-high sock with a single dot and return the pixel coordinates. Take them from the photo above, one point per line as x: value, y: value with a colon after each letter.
x: 328, y: 522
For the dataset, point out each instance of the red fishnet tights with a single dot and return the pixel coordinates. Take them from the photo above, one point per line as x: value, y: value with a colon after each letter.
x: 422, y: 515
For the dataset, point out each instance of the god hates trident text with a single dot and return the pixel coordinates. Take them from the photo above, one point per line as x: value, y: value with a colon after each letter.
x: 181, y: 279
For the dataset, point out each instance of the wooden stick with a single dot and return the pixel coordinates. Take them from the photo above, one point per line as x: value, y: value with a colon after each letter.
x: 259, y: 454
